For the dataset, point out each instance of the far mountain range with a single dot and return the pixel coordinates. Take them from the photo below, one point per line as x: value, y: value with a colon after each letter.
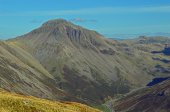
x: 131, y: 36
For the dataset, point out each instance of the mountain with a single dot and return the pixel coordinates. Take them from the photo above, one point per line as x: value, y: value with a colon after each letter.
x: 76, y: 57
x: 149, y: 99
x: 83, y: 64
x: 11, y: 102
x: 61, y: 61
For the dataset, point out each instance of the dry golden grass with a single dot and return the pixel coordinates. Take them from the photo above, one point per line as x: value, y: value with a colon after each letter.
x: 10, y: 102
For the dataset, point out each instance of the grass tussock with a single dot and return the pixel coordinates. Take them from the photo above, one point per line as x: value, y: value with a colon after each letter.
x: 10, y: 102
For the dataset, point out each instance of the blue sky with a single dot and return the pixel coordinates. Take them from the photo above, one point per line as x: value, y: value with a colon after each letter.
x: 108, y: 17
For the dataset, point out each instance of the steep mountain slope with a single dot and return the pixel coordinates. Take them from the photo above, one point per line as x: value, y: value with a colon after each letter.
x: 22, y: 73
x: 148, y: 99
x: 10, y: 102
x: 85, y: 64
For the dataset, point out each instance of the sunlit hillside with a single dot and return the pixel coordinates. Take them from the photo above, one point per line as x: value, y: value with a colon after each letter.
x: 10, y: 102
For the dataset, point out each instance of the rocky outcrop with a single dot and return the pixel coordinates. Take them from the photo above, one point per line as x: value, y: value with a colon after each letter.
x: 108, y: 51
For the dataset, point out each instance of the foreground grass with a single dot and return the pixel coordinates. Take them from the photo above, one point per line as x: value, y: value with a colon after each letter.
x: 10, y: 102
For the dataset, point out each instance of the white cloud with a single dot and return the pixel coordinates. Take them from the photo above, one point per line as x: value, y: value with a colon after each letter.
x: 88, y: 11
x: 81, y: 20
x: 35, y: 21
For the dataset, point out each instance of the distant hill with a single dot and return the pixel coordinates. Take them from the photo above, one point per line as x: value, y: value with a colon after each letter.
x: 152, y: 40
x: 132, y: 36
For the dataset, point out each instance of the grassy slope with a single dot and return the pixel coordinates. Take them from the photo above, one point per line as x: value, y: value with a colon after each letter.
x: 148, y: 99
x: 10, y: 102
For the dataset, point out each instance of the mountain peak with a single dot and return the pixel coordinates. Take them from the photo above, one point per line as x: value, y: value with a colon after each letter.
x: 57, y: 22
x: 63, y: 31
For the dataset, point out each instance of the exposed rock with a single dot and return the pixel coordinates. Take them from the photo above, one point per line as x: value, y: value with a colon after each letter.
x: 108, y: 51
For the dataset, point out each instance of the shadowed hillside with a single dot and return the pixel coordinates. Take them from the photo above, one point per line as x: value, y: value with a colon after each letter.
x: 148, y: 99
